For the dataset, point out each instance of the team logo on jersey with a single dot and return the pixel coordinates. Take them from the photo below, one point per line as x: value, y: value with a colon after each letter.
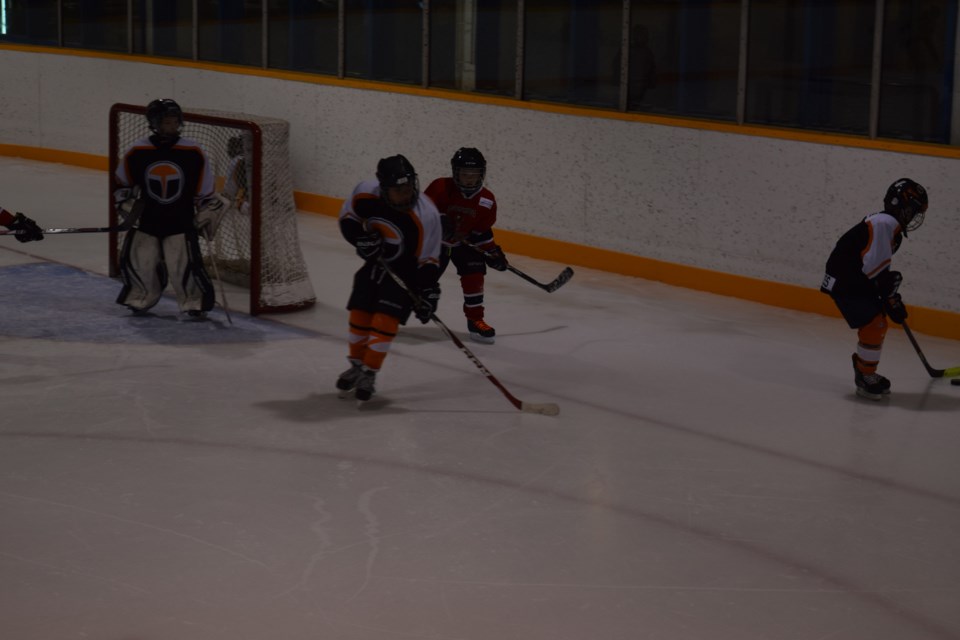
x: 164, y: 181
x: 391, y: 237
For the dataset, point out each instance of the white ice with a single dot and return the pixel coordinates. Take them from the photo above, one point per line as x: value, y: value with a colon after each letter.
x: 711, y: 475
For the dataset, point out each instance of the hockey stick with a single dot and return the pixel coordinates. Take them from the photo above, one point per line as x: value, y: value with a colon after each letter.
x: 547, y: 408
x: 934, y: 373
x: 550, y: 287
x: 71, y: 230
x: 216, y: 272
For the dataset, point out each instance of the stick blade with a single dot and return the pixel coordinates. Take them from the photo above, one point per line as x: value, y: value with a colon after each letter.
x: 560, y: 280
x: 546, y: 409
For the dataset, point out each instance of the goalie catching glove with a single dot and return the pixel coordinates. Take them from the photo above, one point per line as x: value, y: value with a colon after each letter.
x: 209, y: 215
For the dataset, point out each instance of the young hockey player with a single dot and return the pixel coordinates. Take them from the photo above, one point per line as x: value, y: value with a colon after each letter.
x: 166, y: 192
x: 469, y: 211
x: 862, y: 284
x: 26, y: 229
x: 389, y: 223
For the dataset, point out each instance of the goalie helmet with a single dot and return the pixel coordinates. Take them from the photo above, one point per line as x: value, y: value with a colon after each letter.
x: 398, y: 174
x: 907, y: 202
x: 469, y: 168
x: 160, y: 109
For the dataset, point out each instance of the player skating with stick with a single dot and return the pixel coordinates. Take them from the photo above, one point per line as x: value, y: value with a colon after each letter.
x: 387, y: 221
x: 862, y: 284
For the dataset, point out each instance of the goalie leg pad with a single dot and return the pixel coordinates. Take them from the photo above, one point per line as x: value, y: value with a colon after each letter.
x: 188, y: 277
x: 141, y: 268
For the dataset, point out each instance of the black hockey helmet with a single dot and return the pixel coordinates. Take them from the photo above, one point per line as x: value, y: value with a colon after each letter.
x: 468, y: 158
x: 396, y: 171
x: 159, y: 109
x: 907, y: 202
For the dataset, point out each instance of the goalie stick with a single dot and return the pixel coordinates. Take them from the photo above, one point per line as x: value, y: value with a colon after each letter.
x: 549, y: 287
x: 547, y: 408
x: 934, y: 373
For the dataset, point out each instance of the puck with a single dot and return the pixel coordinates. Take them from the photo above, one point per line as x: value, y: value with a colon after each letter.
x: 955, y: 382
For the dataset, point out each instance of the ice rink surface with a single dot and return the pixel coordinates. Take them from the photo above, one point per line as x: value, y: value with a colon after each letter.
x: 711, y: 475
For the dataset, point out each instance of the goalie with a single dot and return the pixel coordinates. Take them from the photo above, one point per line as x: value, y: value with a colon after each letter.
x: 165, y: 197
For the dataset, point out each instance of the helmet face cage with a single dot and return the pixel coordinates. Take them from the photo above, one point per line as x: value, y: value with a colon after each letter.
x: 468, y: 158
x: 907, y: 202
x: 396, y: 171
x: 160, y: 109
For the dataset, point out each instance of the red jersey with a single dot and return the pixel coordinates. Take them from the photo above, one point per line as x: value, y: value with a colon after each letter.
x: 464, y: 219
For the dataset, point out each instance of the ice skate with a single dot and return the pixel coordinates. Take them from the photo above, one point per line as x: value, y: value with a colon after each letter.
x: 365, y: 386
x: 480, y: 331
x: 347, y: 380
x: 869, y: 385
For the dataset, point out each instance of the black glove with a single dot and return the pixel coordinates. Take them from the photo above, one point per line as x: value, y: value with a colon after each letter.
x: 369, y: 246
x: 495, y: 258
x: 427, y: 305
x: 888, y: 282
x: 895, y: 309
x: 27, y: 230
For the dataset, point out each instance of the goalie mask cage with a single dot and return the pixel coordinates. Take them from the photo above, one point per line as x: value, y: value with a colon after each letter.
x: 257, y: 244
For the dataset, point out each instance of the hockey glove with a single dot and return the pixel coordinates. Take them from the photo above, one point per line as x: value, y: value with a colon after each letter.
x: 27, y: 230
x: 369, y: 246
x: 888, y: 282
x: 129, y: 206
x: 210, y: 214
x: 426, y: 306
x: 895, y: 309
x: 495, y: 259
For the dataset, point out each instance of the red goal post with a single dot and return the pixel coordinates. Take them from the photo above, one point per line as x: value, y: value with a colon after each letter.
x: 257, y: 245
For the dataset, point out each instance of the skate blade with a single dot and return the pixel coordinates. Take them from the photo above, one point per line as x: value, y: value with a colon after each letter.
x: 863, y: 393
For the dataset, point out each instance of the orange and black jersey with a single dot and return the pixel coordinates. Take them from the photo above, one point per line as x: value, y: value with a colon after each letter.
x: 410, y: 237
x: 465, y: 219
x: 861, y: 254
x: 174, y: 179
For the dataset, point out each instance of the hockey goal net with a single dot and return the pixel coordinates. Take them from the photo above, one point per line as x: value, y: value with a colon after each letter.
x: 257, y: 245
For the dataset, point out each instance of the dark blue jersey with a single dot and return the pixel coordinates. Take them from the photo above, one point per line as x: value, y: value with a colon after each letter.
x: 174, y: 179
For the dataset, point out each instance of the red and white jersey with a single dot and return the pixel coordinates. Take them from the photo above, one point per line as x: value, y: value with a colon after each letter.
x: 466, y: 219
x: 5, y: 217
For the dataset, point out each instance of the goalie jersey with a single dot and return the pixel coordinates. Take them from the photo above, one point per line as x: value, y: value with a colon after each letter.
x: 173, y: 179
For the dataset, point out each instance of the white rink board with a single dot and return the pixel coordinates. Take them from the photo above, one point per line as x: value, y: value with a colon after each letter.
x: 758, y: 207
